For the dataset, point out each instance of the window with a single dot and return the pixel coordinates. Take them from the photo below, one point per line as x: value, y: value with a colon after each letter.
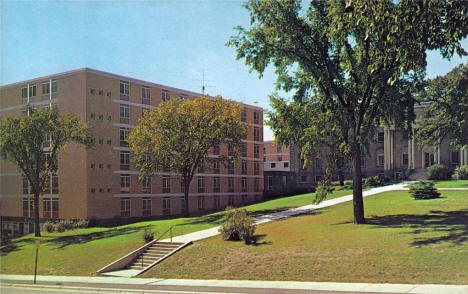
x: 201, y: 167
x: 244, y: 199
x: 109, y: 94
x: 124, y: 160
x: 124, y: 207
x: 109, y: 142
x: 380, y: 137
x: 55, y: 208
x: 244, y: 167
x: 46, y: 207
x: 455, y: 157
x: 91, y: 91
x: 216, y: 202
x: 166, y: 205
x: 256, y: 116
x: 24, y: 92
x: 244, y: 115
x: 125, y: 183
x: 145, y: 95
x: 28, y: 207
x: 269, y: 183
x: 45, y: 88
x: 279, y: 148
x: 101, y: 141
x: 26, y: 186
x: 146, y: 206
x: 231, y: 200
x: 123, y: 132
x: 405, y: 135
x: 230, y: 184
x: 183, y: 97
x: 55, y: 184
x: 244, y: 184
x: 100, y: 92
x: 286, y: 164
x: 32, y: 91
x: 256, y: 168
x: 303, y: 179
x: 256, y: 185
x: 280, y: 158
x: 216, y: 185
x: 231, y: 168
x: 201, y: 202
x: 166, y: 182
x: 182, y: 205
x: 216, y: 150
x: 124, y: 88
x: 216, y: 166
x: 317, y: 163
x: 165, y: 95
x: 256, y: 134
x: 230, y: 150
x: 124, y: 113
x: 244, y: 149
x: 256, y: 150
x: 273, y: 165
x: 201, y: 184
x: 405, y: 160
x: 380, y: 160
x: 146, y: 185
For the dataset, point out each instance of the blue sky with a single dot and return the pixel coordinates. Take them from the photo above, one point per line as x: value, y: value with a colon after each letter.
x: 167, y: 42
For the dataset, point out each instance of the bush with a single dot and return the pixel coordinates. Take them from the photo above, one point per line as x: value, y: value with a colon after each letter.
x: 374, y: 181
x: 68, y: 224
x: 82, y: 223
x: 323, y: 189
x: 60, y: 227
x: 461, y: 173
x: 49, y: 226
x: 423, y: 190
x: 148, y: 235
x: 437, y: 172
x: 238, y: 225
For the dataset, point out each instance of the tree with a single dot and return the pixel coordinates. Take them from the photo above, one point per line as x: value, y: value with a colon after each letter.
x: 22, y: 142
x: 446, y: 111
x: 177, y: 136
x: 357, y: 61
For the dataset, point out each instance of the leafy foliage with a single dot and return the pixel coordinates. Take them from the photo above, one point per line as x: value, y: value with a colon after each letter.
x: 461, y: 173
x: 437, y: 172
x: 22, y: 138
x: 353, y: 65
x: 49, y: 226
x: 238, y: 225
x: 179, y: 133
x: 423, y: 190
x: 148, y: 235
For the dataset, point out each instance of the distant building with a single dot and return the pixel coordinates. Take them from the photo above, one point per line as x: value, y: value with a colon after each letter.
x: 279, y: 179
x: 101, y: 183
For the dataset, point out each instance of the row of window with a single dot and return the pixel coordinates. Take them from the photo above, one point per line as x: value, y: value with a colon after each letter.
x: 285, y: 164
x: 47, y: 87
x: 201, y: 184
x: 50, y: 207
x: 145, y: 93
x: 52, y: 186
x: 256, y: 116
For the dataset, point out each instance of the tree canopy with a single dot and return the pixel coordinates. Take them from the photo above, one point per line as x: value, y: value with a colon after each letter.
x: 446, y: 110
x: 177, y: 136
x: 352, y: 65
x: 22, y: 142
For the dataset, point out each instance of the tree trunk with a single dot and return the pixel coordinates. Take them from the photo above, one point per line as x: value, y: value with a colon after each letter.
x: 186, y: 200
x: 358, y: 203
x: 341, y: 176
x: 37, y: 227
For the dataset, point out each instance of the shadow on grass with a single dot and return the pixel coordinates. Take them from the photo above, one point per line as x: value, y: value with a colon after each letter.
x: 9, y: 245
x: 259, y: 238
x: 453, y: 225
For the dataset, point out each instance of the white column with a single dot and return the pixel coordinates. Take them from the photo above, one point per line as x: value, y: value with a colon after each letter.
x: 386, y: 149
x: 391, y: 133
x: 412, y: 151
x: 409, y: 153
x: 50, y: 104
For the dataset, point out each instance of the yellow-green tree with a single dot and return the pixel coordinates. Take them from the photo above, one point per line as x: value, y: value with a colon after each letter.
x: 22, y: 142
x: 177, y: 136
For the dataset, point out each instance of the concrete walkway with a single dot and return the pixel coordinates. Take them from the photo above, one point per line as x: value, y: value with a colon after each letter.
x: 104, y: 283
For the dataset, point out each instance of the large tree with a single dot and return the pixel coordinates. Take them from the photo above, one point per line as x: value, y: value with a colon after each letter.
x: 446, y: 111
x: 177, y: 136
x: 357, y: 61
x: 22, y: 142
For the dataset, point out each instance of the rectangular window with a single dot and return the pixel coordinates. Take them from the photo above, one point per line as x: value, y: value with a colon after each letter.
x: 54, y: 183
x: 256, y: 185
x: 165, y: 95
x: 182, y: 205
x: 125, y: 183
x: 256, y: 134
x: 256, y: 150
x: 280, y: 158
x: 256, y: 168
x: 269, y: 183
x: 216, y: 150
x: 123, y: 133
x: 146, y: 206
x: 231, y: 200
x: 231, y: 168
x: 124, y: 88
x: 28, y: 207
x: 216, y: 184
x: 244, y: 149
x: 256, y: 116
x: 32, y: 91
x: 146, y: 185
x: 45, y: 88
x: 166, y: 182
x: 26, y: 186
x: 55, y: 208
x: 145, y: 95
x: 286, y: 164
x: 244, y: 167
x: 230, y: 150
x: 201, y: 184
x: 405, y: 160
x: 183, y: 97
x: 54, y: 87
x: 278, y: 148
x: 24, y: 92
x: 201, y: 202
x: 216, y: 202
x: 216, y: 166
x: 124, y: 113
x: 124, y: 207
x: 46, y: 207
x: 230, y: 184
x: 380, y: 160
x: 455, y: 157
x: 166, y: 205
x: 244, y: 184
x: 244, y: 199
x: 273, y: 165
x: 380, y: 137
x: 244, y: 115
x: 124, y: 160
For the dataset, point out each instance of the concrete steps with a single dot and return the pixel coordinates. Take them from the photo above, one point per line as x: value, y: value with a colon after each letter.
x: 154, y: 253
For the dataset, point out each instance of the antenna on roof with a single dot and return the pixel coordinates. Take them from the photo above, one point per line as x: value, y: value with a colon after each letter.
x: 203, y: 85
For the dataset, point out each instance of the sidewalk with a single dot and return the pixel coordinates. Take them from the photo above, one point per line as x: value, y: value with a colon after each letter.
x: 104, y: 283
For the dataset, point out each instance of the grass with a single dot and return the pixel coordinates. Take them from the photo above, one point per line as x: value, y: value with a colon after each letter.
x: 84, y: 251
x: 451, y: 184
x: 405, y: 241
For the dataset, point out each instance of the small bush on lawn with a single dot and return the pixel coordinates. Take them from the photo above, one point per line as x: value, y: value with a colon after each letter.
x: 375, y: 181
x: 323, y: 189
x: 148, y: 235
x: 49, y: 226
x: 82, y: 223
x: 461, y: 173
x: 238, y: 225
x: 437, y: 172
x: 423, y: 190
x: 60, y: 227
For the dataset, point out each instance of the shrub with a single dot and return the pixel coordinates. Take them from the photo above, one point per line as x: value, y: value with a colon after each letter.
x: 238, y: 225
x: 461, y: 173
x: 323, y: 189
x: 423, y: 190
x: 60, y: 227
x: 148, y: 235
x: 49, y: 226
x: 82, y: 223
x: 437, y: 172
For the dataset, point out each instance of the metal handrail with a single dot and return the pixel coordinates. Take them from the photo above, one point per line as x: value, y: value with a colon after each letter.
x: 160, y: 237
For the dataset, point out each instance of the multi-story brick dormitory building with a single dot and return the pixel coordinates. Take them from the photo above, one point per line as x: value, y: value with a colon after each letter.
x: 101, y: 183
x: 391, y: 154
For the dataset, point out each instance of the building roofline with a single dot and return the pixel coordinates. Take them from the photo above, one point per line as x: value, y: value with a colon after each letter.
x: 117, y: 76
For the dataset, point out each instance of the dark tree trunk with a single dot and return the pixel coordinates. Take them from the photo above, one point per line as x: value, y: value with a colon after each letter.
x: 37, y: 227
x: 186, y: 200
x: 358, y: 203
x: 341, y: 177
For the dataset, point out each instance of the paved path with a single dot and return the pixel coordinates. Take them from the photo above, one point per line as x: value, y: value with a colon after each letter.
x: 137, y: 285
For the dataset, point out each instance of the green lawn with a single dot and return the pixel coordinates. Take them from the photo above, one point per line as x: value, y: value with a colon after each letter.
x: 405, y: 241
x: 451, y: 184
x: 84, y: 251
